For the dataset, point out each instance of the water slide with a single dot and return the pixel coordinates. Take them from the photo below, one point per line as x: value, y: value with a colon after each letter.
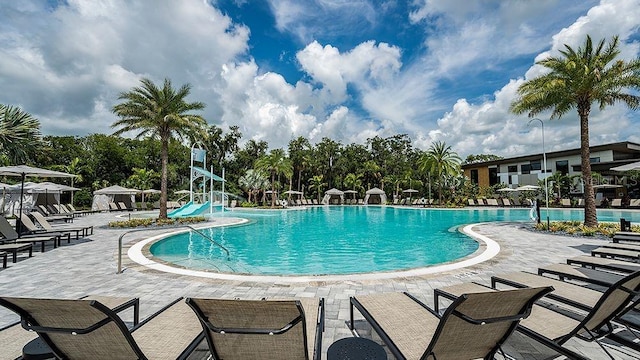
x: 189, y: 209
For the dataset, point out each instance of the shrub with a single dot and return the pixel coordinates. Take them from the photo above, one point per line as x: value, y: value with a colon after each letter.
x: 133, y: 223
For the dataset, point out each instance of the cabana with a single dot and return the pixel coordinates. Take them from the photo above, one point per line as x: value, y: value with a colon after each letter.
x: 333, y: 197
x: 33, y: 194
x: 375, y: 196
x: 113, y: 194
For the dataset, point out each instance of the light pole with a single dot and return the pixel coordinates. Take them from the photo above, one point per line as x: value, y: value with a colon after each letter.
x: 544, y: 170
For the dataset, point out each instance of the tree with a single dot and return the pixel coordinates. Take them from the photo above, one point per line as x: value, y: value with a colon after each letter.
x: 275, y: 163
x: 442, y: 162
x: 577, y: 79
x: 161, y: 113
x: 252, y: 182
x: 316, y: 183
x: 472, y: 159
x: 19, y: 134
x: 220, y: 145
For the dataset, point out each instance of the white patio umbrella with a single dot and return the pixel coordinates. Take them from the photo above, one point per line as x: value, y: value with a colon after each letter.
x: 528, y: 188
x: 506, y: 190
x: 628, y: 167
x: 23, y: 171
x: 148, y: 191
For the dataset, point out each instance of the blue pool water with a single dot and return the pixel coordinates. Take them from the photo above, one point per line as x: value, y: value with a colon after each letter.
x: 343, y: 239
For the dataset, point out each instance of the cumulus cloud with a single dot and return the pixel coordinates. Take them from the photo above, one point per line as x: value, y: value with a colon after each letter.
x: 68, y: 68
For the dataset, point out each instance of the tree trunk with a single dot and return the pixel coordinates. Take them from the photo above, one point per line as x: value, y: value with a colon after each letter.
x: 273, y: 190
x: 164, y: 158
x: 590, y: 216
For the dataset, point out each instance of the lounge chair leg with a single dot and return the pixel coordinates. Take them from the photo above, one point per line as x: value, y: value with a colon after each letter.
x: 15, y: 255
x: 4, y: 261
x: 30, y: 254
x: 351, y: 327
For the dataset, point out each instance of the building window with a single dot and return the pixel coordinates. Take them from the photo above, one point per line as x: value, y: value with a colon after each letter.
x: 525, y: 168
x: 493, y: 176
x: 474, y: 176
x: 535, y: 165
x: 512, y: 168
x: 594, y: 160
x: 562, y: 166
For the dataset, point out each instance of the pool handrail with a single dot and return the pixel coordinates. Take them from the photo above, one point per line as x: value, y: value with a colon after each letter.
x: 164, y: 228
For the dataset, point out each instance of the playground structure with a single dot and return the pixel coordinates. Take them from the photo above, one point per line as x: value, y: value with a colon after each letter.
x: 201, y: 202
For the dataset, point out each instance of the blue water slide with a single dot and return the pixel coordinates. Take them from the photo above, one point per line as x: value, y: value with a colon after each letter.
x: 189, y: 209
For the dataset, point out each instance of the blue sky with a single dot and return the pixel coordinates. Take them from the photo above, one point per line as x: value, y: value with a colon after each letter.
x: 437, y: 70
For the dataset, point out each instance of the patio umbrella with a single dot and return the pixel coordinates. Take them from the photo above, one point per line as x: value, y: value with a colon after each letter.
x: 528, y: 188
x: 506, y: 190
x: 23, y: 171
x: 351, y: 192
x: 410, y: 192
x: 148, y: 191
x: 628, y: 167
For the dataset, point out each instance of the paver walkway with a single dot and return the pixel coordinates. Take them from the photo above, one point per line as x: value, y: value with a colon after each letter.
x: 89, y: 267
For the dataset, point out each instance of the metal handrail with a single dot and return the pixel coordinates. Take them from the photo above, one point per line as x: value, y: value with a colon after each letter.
x: 173, y: 227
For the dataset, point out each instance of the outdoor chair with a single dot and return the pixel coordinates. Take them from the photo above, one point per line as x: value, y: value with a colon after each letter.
x: 476, y: 325
x: 28, y: 225
x: 10, y: 235
x: 596, y: 262
x: 565, y: 202
x: 114, y: 207
x: 42, y: 221
x: 45, y: 212
x: 89, y: 329
x: 261, y: 329
x: 122, y: 206
x: 616, y: 203
x: 610, y: 307
x: 14, y: 249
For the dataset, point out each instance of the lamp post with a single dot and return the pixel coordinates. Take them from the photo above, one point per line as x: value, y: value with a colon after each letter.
x: 544, y: 170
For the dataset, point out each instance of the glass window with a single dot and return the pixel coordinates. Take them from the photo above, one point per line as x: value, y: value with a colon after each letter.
x: 513, y: 168
x: 536, y: 165
x: 525, y: 168
x: 594, y: 160
x: 474, y: 176
x: 493, y: 176
x: 562, y: 166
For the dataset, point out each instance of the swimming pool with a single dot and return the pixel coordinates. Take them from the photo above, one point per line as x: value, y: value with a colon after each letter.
x: 343, y: 239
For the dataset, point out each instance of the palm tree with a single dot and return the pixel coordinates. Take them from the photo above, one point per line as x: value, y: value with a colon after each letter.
x: 317, y: 183
x: 577, y: 79
x: 440, y: 161
x: 275, y: 163
x: 160, y: 113
x: 252, y: 182
x: 19, y: 133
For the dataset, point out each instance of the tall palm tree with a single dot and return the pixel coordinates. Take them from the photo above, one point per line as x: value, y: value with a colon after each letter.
x: 440, y: 161
x: 161, y: 113
x: 577, y: 79
x: 276, y: 163
x: 19, y: 133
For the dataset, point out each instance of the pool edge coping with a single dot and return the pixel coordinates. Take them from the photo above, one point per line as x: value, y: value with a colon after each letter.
x: 492, y: 248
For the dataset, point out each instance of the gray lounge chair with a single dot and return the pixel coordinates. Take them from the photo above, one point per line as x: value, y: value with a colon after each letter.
x: 474, y: 326
x: 42, y: 221
x: 10, y: 235
x: 261, y: 329
x: 596, y: 262
x: 34, y: 230
x: 89, y: 329
x: 616, y: 253
x: 3, y: 255
x: 14, y: 248
x: 612, y: 305
x: 591, y: 276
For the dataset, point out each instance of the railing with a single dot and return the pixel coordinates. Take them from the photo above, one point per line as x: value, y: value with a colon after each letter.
x: 173, y: 227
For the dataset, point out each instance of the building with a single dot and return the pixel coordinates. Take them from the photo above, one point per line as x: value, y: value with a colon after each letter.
x: 527, y: 170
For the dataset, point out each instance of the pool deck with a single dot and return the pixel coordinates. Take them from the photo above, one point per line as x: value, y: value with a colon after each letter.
x: 88, y: 267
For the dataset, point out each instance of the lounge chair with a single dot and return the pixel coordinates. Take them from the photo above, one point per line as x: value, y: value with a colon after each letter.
x: 506, y: 202
x: 580, y: 202
x: 79, y: 212
x: 565, y: 202
x: 615, y: 253
x: 516, y: 202
x: 261, y: 329
x: 85, y: 230
x: 626, y: 236
x: 3, y: 255
x: 492, y: 202
x: 51, y: 215
x: 570, y: 272
x: 34, y: 230
x: 616, y: 203
x: 122, y: 206
x: 470, y: 202
x: 474, y: 326
x: 554, y: 328
x: 80, y: 329
x: 14, y: 248
x: 315, y: 202
x: 634, y: 203
x: 10, y: 235
x: 596, y: 262
x: 114, y: 207
x: 480, y: 202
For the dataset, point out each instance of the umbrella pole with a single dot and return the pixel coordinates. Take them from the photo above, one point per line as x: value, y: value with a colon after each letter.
x: 19, y: 221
